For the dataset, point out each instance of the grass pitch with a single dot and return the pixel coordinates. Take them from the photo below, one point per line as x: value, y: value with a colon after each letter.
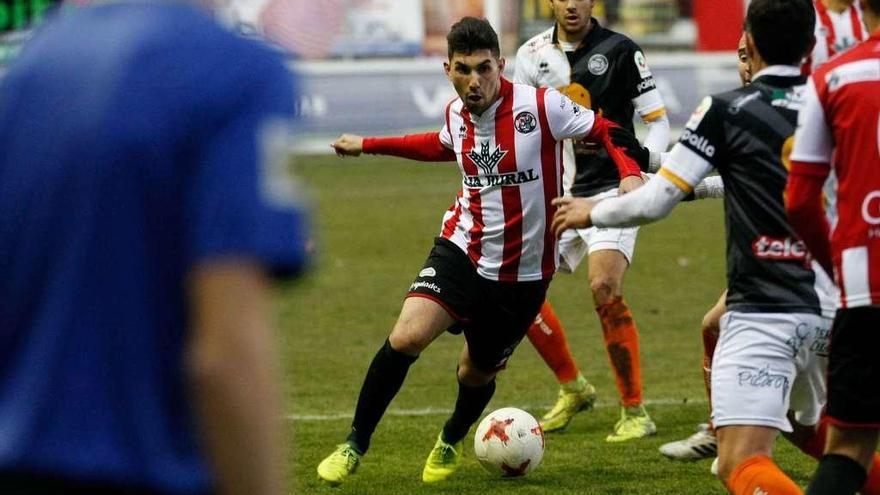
x: 375, y: 223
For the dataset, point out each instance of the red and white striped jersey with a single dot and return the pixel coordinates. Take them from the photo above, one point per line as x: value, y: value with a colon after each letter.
x: 841, y: 117
x: 510, y: 161
x: 836, y: 32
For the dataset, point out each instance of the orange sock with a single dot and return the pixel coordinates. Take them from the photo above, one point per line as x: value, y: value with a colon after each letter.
x: 622, y: 344
x: 548, y: 337
x: 872, y: 484
x: 759, y: 474
x: 710, y: 340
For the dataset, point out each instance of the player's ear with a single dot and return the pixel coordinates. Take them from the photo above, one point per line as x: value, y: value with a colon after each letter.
x: 501, y: 62
x: 446, y: 68
x: 751, y: 50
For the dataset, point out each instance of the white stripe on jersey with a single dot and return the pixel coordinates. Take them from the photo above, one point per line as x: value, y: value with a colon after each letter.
x: 856, y: 287
x: 510, y: 160
x: 836, y: 32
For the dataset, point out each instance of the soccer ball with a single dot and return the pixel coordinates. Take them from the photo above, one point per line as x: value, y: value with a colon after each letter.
x: 509, y: 442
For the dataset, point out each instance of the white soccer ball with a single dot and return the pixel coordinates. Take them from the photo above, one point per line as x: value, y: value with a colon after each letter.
x: 509, y: 442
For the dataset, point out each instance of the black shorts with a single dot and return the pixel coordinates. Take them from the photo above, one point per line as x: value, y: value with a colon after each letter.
x: 494, y: 316
x: 853, y: 368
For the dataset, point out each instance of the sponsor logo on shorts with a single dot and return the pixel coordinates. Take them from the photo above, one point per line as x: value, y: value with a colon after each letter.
x: 772, y: 248
x: 763, y: 378
x: 424, y: 285
x: 700, y: 143
x: 428, y: 272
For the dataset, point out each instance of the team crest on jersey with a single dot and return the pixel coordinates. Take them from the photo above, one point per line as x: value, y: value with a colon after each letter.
x: 598, y: 64
x: 699, y: 113
x: 525, y: 122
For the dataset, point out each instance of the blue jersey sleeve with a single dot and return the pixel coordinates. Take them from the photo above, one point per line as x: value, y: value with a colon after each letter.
x: 244, y: 203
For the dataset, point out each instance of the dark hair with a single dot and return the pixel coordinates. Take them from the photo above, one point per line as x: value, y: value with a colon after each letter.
x: 782, y: 29
x: 471, y: 34
x: 874, y: 5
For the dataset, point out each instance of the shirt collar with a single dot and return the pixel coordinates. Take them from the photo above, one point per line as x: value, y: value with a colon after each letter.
x: 778, y: 70
x: 594, y: 28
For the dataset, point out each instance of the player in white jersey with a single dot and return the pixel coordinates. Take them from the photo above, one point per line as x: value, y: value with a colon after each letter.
x: 489, y: 270
x: 839, y: 27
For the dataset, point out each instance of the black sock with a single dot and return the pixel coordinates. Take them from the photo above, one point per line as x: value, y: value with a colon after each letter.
x: 837, y: 474
x: 468, y: 407
x: 383, y: 381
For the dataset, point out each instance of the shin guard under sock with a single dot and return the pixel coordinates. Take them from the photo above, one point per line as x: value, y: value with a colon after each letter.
x: 384, y: 379
x: 548, y: 337
x: 468, y: 407
x: 759, y: 474
x: 837, y: 475
x: 622, y: 344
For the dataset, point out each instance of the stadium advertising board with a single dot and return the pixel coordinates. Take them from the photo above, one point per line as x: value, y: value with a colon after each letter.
x: 410, y: 95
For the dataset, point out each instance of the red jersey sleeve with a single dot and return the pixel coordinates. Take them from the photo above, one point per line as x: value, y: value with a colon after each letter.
x: 806, y: 213
x: 422, y: 147
x: 599, y: 134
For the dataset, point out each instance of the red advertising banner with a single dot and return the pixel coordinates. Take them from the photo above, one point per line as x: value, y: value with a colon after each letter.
x: 719, y: 24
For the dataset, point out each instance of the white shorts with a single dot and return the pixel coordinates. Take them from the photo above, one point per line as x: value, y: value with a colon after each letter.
x: 575, y: 244
x: 766, y: 364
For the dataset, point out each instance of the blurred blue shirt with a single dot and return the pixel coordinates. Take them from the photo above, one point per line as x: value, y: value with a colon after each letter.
x: 135, y: 142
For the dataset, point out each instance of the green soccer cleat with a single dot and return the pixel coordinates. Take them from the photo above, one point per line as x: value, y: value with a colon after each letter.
x: 338, y: 465
x: 443, y: 460
x: 634, y: 423
x: 567, y: 405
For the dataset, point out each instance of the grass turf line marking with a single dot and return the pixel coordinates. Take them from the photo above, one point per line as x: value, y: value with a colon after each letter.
x: 436, y: 411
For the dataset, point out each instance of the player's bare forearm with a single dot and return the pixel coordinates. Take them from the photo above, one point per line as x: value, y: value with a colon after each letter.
x: 571, y: 213
x: 231, y: 367
x: 348, y: 145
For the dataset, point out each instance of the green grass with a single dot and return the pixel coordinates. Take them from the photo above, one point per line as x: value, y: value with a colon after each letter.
x: 375, y: 224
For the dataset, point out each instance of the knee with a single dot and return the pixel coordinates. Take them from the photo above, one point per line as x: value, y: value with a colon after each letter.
x: 472, y: 376
x: 406, y: 338
x: 605, y: 289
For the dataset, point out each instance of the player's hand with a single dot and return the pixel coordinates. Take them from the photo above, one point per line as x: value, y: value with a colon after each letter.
x: 571, y: 213
x: 629, y: 184
x: 348, y: 145
x: 623, y: 138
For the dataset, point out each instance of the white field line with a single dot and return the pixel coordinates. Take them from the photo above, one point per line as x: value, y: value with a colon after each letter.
x: 437, y: 411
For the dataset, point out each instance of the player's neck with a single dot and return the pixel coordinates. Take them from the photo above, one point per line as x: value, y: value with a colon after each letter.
x: 577, y: 37
x: 837, y: 5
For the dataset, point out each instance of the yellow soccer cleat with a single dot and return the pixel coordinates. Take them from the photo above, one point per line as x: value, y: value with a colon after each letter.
x: 634, y: 423
x: 443, y: 460
x: 338, y: 465
x: 567, y: 405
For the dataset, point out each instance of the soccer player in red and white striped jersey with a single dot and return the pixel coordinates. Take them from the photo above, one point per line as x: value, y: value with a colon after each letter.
x: 489, y: 270
x: 839, y: 27
x: 839, y: 129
